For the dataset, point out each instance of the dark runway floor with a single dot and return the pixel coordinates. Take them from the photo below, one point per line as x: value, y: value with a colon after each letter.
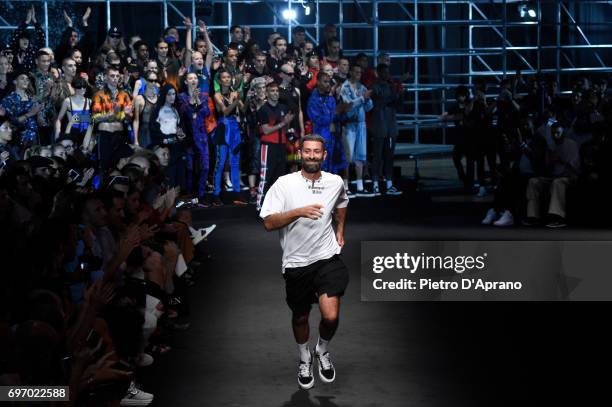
x: 240, y: 350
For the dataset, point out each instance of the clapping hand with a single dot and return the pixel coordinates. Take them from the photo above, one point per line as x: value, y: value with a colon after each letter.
x: 288, y: 118
x: 86, y: 177
x: 86, y: 16
x: 67, y: 19
x: 33, y: 15
x: 202, y: 26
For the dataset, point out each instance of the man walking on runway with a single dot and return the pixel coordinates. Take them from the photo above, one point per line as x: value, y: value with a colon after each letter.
x: 301, y: 206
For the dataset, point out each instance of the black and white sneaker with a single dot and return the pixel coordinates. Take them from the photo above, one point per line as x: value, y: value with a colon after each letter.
x: 305, y: 376
x: 393, y: 191
x: 364, y: 193
x: 327, y: 373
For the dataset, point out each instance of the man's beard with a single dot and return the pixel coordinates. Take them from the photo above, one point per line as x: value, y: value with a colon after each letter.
x: 311, y: 166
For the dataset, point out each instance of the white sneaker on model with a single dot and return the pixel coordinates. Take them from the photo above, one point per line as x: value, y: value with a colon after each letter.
x: 327, y: 373
x: 305, y: 376
x: 505, y: 220
x: 490, y: 217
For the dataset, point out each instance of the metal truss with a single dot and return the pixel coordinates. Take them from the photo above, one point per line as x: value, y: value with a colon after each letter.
x: 493, y: 18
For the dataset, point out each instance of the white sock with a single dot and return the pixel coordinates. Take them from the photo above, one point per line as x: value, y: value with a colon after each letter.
x: 304, y: 352
x: 359, y: 185
x: 374, y: 184
x: 194, y: 232
x: 346, y: 184
x: 389, y: 184
x: 321, y: 346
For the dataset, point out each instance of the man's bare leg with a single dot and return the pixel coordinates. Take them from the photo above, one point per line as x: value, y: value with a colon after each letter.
x: 301, y: 328
x: 330, y: 308
x: 301, y: 332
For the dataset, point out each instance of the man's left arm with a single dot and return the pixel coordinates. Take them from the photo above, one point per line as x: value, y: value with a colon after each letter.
x: 340, y: 217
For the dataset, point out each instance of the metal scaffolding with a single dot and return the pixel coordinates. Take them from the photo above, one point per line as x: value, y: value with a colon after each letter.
x: 562, y: 47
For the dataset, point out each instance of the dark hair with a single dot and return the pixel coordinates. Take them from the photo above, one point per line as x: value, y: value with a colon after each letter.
x: 278, y: 39
x: 333, y: 39
x: 161, y: 100
x: 381, y: 67
x: 149, y: 73
x: 134, y: 174
x: 139, y: 44
x: 462, y: 90
x: 183, y: 79
x: 234, y: 27
x: 360, y: 56
x: 112, y: 67
x: 169, y: 28
x: 322, y: 75
x: 299, y: 29
x: 42, y: 53
x: 228, y: 49
x: 79, y: 83
x: 222, y: 71
x: 108, y: 196
x: 556, y: 125
x: 312, y: 137
x: 271, y: 85
x: 72, y: 51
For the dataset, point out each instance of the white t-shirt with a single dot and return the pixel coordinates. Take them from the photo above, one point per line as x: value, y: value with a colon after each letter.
x: 306, y: 241
x: 168, y: 121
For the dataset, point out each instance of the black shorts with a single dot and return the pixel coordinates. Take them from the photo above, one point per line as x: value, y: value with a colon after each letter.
x: 305, y: 284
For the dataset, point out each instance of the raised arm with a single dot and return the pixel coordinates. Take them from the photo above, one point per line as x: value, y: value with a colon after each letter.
x: 280, y: 220
x: 188, y: 41
x: 209, y: 45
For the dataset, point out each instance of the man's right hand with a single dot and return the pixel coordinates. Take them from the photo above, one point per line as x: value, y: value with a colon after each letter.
x: 313, y: 211
x: 288, y: 118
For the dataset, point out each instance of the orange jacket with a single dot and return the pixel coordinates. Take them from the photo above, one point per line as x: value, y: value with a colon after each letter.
x: 102, y: 105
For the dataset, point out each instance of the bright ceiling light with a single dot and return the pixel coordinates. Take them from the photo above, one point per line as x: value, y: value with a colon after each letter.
x: 289, y: 14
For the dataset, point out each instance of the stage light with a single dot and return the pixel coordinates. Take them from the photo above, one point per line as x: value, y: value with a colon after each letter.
x: 527, y: 10
x: 308, y: 6
x: 289, y: 14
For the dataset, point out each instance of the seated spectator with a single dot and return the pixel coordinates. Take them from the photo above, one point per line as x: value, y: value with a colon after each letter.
x: 562, y: 170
